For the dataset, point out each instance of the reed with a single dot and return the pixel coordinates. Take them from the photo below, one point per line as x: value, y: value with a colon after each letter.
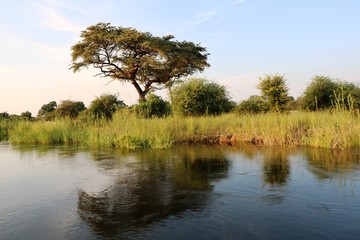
x: 5, y: 126
x: 337, y: 129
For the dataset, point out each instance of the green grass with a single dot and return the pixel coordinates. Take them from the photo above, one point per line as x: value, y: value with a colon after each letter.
x: 5, y: 127
x: 339, y: 129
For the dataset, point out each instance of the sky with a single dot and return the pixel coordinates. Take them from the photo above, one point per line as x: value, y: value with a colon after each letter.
x: 246, y: 40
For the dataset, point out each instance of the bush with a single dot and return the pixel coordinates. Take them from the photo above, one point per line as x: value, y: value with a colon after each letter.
x: 199, y: 96
x: 46, y: 111
x: 68, y: 108
x: 253, y: 105
x: 324, y: 92
x: 105, y: 106
x: 275, y: 92
x: 154, y: 106
x: 319, y: 94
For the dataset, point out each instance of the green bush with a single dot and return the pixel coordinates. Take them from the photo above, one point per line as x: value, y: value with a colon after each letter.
x: 253, y: 105
x: 46, y: 111
x: 319, y: 94
x: 275, y: 92
x: 324, y: 93
x: 104, y: 106
x: 69, y: 108
x: 199, y: 96
x: 154, y: 106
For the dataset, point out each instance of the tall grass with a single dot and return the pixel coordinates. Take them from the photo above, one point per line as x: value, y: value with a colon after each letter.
x: 337, y: 129
x: 5, y: 126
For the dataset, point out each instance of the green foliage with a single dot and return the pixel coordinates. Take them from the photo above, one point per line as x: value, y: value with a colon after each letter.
x: 46, y: 112
x: 319, y: 94
x: 154, y: 106
x: 275, y: 92
x: 26, y: 115
x: 199, y: 96
x: 105, y: 106
x: 4, y: 115
x: 144, y: 60
x: 327, y: 129
x: 69, y: 108
x: 346, y: 96
x: 253, y: 105
x: 324, y: 93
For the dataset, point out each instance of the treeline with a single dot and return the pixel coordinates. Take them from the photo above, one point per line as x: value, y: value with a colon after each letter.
x: 323, y: 93
x: 198, y: 97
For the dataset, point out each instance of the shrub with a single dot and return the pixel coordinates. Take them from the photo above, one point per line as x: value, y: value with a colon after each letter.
x: 253, y: 105
x: 319, y: 94
x: 105, y: 106
x: 275, y: 92
x: 199, y: 96
x: 154, y: 106
x: 68, y: 108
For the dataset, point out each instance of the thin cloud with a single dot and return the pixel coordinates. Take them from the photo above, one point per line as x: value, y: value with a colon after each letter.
x: 54, y: 19
x: 237, y: 2
x: 205, y: 16
x: 198, y: 19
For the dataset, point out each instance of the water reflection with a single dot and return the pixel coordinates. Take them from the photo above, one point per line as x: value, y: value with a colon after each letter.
x: 327, y: 164
x: 155, y: 186
x: 69, y: 192
x: 41, y: 151
x: 276, y: 167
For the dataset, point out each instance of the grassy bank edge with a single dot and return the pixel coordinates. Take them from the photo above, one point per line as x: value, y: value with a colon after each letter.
x: 339, y: 130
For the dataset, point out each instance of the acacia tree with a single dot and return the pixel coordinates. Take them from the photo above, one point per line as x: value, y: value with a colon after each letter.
x: 127, y: 55
x: 275, y: 92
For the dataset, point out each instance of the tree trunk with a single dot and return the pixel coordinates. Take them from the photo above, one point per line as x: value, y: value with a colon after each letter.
x: 142, y: 98
x: 141, y: 93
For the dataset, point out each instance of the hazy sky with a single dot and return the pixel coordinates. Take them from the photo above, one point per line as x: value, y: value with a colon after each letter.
x: 246, y: 39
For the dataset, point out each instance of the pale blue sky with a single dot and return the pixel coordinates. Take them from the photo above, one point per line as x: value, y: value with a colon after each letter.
x: 246, y: 39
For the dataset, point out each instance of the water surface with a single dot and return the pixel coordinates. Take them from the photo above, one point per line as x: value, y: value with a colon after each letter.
x: 184, y: 193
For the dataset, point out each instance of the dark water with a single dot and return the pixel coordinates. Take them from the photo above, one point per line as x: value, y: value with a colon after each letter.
x: 183, y: 193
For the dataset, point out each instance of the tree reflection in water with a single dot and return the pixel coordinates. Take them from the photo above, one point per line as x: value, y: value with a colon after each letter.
x: 276, y: 167
x: 327, y: 163
x: 152, y: 186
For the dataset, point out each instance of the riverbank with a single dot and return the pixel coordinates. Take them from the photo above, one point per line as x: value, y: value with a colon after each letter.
x: 311, y: 129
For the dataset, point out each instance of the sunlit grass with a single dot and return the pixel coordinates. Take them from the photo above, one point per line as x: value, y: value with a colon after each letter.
x: 340, y: 129
x: 5, y: 127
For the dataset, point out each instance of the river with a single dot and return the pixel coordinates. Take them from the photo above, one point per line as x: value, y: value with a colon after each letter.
x: 190, y: 192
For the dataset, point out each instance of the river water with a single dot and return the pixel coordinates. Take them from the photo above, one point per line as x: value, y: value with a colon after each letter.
x: 49, y: 192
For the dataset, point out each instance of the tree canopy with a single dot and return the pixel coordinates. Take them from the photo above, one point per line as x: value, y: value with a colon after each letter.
x: 46, y: 110
x: 128, y: 55
x: 275, y: 92
x: 199, y: 96
x: 324, y: 92
x: 105, y: 106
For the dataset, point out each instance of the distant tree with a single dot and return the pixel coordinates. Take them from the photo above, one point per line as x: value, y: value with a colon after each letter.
x: 253, y: 105
x: 154, y: 106
x: 294, y: 104
x: 26, y: 115
x: 4, y: 115
x: 275, y: 92
x: 105, y: 106
x: 347, y: 96
x: 320, y: 93
x: 47, y: 110
x: 69, y: 108
x: 128, y: 55
x: 199, y: 96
